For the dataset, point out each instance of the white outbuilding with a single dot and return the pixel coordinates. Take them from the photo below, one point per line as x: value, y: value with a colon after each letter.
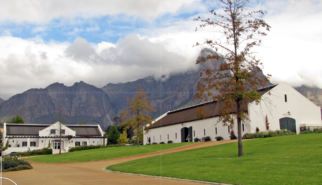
x: 24, y: 137
x: 284, y: 107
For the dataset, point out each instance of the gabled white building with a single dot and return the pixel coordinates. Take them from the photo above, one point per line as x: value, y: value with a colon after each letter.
x: 284, y: 107
x: 24, y: 137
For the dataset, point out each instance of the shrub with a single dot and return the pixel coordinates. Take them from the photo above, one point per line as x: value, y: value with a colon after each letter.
x: 79, y: 148
x: 272, y: 133
x: 170, y: 141
x: 317, y: 130
x: 196, y: 139
x: 207, y: 138
x: 161, y: 142
x: 14, y: 163
x: 44, y: 151
x: 154, y: 143
x: 219, y: 138
x: 257, y: 129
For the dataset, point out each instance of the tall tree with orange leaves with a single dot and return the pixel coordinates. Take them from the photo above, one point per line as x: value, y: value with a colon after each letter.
x: 136, y: 115
x: 237, y: 80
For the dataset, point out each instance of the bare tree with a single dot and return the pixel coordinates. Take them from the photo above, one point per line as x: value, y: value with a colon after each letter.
x: 238, y: 79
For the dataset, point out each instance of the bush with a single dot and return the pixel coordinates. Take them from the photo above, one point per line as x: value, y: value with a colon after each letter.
x: 257, y: 129
x: 317, y: 130
x: 219, y: 138
x: 79, y: 148
x: 161, y: 142
x: 44, y: 151
x: 196, y: 139
x: 170, y: 141
x: 14, y: 163
x: 154, y: 143
x: 268, y: 134
x: 207, y: 138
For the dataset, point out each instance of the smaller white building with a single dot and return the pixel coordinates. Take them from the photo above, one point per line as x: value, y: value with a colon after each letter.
x: 24, y: 137
x: 284, y: 107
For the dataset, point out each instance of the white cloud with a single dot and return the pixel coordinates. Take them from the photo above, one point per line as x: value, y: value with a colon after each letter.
x: 94, y: 28
x: 38, y: 29
x: 26, y: 64
x: 39, y: 11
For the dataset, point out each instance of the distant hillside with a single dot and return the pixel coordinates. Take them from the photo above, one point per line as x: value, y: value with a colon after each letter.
x: 1, y: 101
x: 312, y: 93
x: 80, y: 102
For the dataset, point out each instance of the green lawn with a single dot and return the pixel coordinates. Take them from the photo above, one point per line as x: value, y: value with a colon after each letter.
x: 104, y: 153
x: 295, y: 159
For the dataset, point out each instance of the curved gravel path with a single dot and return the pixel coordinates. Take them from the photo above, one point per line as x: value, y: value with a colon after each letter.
x: 88, y: 173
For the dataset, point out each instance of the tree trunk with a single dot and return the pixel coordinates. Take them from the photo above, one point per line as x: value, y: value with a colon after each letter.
x: 240, y: 143
x: 59, y: 138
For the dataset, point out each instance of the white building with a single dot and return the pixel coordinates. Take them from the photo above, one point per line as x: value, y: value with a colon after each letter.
x: 284, y: 107
x: 24, y: 137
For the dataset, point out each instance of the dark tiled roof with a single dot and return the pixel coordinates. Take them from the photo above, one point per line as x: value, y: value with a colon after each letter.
x: 24, y: 129
x: 85, y: 130
x: 189, y: 114
x: 33, y: 129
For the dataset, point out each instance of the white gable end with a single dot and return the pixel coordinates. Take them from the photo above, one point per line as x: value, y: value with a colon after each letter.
x: 55, y: 127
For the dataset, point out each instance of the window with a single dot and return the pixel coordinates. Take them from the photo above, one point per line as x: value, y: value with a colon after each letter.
x: 93, y: 141
x: 84, y: 143
x: 216, y: 130
x: 62, y: 131
x: 160, y: 137
x: 52, y: 131
x: 243, y: 127
x: 13, y: 141
x: 194, y: 133
x: 228, y: 129
x: 176, y: 135
x: 285, y: 97
x: 24, y: 143
x: 168, y: 136
x: 204, y: 131
x: 32, y: 143
x: 77, y: 143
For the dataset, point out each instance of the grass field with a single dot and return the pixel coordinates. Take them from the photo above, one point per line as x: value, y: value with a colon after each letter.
x: 104, y: 153
x: 295, y: 159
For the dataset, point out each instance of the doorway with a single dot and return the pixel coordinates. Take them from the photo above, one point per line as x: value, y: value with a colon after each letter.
x: 56, y: 145
x: 184, y: 134
x: 288, y: 124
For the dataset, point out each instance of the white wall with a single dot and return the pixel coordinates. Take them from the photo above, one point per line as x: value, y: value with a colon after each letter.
x: 198, y: 127
x: 274, y: 106
x: 46, y: 131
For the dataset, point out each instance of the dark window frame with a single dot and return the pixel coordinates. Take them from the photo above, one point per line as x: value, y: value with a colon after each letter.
x: 285, y: 97
x: 33, y: 143
x: 228, y: 129
x: 216, y: 130
x: 62, y: 131
x: 77, y: 143
x: 176, y: 135
x: 52, y: 131
x: 204, y: 132
x: 84, y: 143
x: 24, y: 143
x: 243, y: 125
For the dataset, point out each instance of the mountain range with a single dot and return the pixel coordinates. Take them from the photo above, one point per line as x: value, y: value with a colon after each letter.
x: 87, y: 103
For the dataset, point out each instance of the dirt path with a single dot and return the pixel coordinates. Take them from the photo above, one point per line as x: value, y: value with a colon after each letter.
x: 91, y: 173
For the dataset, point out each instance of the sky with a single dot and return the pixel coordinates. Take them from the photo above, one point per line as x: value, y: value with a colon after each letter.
x: 116, y: 41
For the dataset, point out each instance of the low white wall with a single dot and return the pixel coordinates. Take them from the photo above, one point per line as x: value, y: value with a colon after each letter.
x: 201, y: 128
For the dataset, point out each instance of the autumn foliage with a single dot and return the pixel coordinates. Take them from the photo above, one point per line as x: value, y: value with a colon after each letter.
x: 236, y: 81
x: 137, y: 114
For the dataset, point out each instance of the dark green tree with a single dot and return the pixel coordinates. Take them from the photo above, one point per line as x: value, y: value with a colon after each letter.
x: 113, y: 134
x: 16, y: 119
